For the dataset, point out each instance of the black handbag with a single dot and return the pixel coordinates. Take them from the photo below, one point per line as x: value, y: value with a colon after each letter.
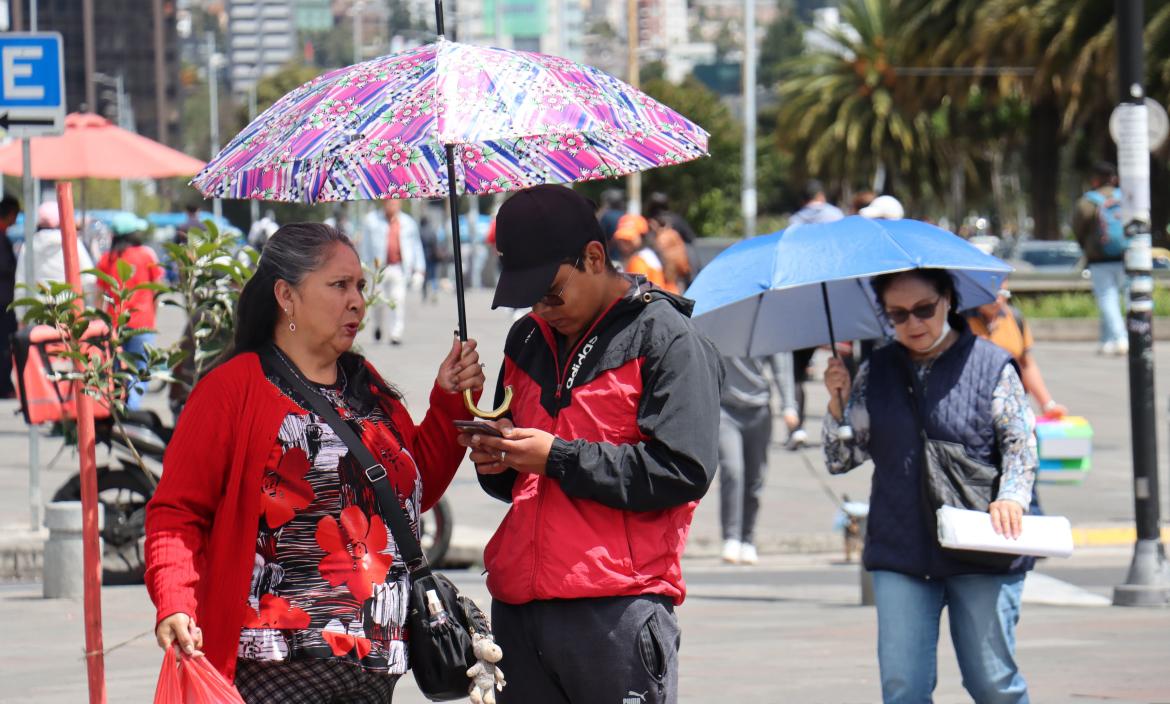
x: 950, y: 477
x: 440, y: 621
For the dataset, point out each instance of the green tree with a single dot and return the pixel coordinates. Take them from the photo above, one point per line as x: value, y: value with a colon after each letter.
x: 783, y: 40
x: 845, y: 112
x: 706, y: 191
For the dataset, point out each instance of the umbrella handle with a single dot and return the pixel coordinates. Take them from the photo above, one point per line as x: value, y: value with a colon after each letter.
x: 493, y: 414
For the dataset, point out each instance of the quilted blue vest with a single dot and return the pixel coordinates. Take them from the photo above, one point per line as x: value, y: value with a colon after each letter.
x: 901, y: 537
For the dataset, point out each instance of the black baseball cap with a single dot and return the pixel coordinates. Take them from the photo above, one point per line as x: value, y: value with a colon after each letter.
x: 537, y: 230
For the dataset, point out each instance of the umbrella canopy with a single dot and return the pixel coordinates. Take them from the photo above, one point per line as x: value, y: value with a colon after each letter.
x: 767, y: 294
x: 93, y: 147
x: 380, y: 129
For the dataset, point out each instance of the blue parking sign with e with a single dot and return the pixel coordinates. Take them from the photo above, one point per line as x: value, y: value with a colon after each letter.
x: 30, y: 71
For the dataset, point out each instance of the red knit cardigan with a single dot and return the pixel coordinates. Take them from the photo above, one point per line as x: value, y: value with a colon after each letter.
x: 201, y: 524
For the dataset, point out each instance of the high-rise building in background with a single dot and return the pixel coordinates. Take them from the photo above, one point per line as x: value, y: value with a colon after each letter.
x: 313, y: 15
x: 123, y: 35
x: 261, y: 39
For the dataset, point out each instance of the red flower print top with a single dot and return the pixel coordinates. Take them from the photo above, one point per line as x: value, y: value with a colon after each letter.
x: 327, y: 581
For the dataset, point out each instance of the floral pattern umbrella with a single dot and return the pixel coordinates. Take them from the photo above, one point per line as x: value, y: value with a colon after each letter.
x: 380, y: 129
x: 445, y: 119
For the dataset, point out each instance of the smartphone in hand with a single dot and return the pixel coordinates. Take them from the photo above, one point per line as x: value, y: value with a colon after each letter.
x: 477, y: 426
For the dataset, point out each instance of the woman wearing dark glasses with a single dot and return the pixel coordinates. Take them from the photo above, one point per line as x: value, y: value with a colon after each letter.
x: 962, y: 390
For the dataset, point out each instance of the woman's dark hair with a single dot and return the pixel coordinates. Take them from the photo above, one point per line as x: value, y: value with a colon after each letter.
x: 938, y: 279
x: 291, y: 253
x: 123, y: 242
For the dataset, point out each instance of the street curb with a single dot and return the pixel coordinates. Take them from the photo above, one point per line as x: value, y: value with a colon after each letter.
x: 21, y: 553
x: 21, y: 550
x: 1109, y: 536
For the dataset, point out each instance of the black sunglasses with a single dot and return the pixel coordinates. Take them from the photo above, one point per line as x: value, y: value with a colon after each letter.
x: 925, y: 311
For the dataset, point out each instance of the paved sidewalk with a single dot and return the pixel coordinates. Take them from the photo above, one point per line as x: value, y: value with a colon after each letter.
x: 788, y: 630
x: 798, y: 506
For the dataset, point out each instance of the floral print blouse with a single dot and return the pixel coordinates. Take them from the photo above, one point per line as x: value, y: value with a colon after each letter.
x: 328, y: 581
x: 1012, y: 416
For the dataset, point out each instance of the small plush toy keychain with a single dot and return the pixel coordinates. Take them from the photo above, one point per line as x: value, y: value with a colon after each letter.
x: 486, y: 678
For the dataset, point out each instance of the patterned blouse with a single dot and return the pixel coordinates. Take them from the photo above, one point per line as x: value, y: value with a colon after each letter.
x: 328, y: 581
x: 1011, y: 414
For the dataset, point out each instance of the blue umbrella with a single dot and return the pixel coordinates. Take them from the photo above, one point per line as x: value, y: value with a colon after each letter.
x: 809, y: 285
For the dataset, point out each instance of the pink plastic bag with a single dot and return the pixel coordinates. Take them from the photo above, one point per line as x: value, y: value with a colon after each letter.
x: 192, y: 680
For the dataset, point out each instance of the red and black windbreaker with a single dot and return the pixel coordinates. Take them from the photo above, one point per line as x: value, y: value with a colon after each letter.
x: 635, y: 408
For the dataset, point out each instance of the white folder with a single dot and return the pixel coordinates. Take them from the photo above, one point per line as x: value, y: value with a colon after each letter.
x: 1042, y: 536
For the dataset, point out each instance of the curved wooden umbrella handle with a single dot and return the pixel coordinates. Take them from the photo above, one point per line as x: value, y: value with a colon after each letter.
x: 492, y: 414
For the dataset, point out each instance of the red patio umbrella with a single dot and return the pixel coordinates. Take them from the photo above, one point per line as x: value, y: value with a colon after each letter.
x: 93, y: 147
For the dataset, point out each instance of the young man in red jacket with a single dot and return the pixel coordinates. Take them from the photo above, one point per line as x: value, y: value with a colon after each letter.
x: 611, y: 443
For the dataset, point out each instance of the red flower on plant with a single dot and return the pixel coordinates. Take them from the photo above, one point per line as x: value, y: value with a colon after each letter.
x: 276, y: 612
x: 286, y: 491
x: 355, y: 551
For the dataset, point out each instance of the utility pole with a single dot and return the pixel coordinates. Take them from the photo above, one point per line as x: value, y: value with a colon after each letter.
x: 1148, y: 582
x: 634, y: 180
x: 160, y: 74
x: 749, y: 118
x: 88, y: 50
x: 35, y: 510
x: 213, y: 90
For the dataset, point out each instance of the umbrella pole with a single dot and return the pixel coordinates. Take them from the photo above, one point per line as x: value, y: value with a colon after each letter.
x: 456, y: 247
x: 843, y: 431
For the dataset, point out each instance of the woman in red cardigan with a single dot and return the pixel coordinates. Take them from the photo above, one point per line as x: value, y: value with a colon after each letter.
x: 265, y: 547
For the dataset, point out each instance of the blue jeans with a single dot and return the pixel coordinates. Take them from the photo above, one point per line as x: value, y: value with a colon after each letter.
x: 983, y: 611
x: 137, y: 345
x: 1109, y: 285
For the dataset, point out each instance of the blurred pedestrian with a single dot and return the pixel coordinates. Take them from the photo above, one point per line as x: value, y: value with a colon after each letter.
x: 658, y: 208
x: 49, y: 259
x: 938, y: 381
x: 390, y: 237
x: 745, y: 432
x: 142, y: 305
x: 637, y: 257
x: 860, y: 200
x: 9, y: 209
x: 1100, y: 231
x: 265, y: 544
x: 610, y: 445
x: 192, y: 222
x: 429, y: 240
x: 671, y: 250
x: 885, y: 207
x: 261, y: 230
x: 1004, y: 325
x: 613, y: 206
x: 816, y: 207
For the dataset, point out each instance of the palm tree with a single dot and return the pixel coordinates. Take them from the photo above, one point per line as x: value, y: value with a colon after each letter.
x: 1070, y: 43
x: 846, y: 114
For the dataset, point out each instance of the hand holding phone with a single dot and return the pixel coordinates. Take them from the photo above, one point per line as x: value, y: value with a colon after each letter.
x: 478, y: 426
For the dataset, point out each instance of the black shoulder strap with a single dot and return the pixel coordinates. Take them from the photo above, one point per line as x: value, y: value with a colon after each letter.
x: 391, y: 510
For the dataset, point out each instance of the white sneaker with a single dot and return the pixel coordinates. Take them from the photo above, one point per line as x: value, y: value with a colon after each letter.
x: 797, y: 439
x: 731, y: 551
x: 747, y: 554
x: 1121, y: 348
x: 1108, y: 349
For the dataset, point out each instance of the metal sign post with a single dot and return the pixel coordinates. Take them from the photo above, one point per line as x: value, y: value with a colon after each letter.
x: 1148, y: 581
x: 32, y: 103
